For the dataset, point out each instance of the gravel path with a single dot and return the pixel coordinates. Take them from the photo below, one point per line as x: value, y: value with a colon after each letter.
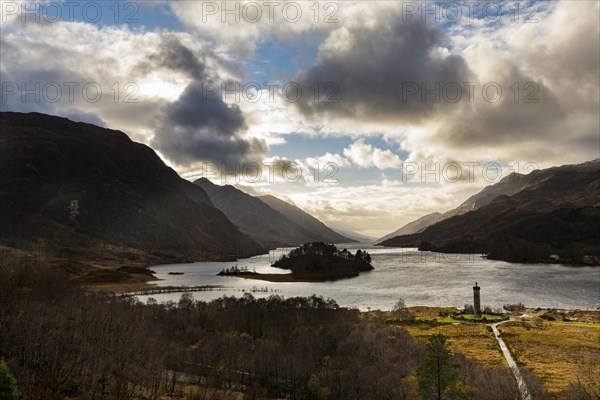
x: 511, y: 362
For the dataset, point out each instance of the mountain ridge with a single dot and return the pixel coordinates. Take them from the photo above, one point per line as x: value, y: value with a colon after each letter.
x: 416, y: 226
x: 312, y: 226
x: 510, y: 184
x: 270, y: 221
x: 563, y: 196
x: 129, y: 203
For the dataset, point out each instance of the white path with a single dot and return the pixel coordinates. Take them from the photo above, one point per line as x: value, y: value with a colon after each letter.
x: 511, y: 363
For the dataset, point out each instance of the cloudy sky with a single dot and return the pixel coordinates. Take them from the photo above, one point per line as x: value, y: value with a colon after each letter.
x: 366, y: 114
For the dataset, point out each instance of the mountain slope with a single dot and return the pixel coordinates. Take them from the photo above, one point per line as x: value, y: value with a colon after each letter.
x: 128, y: 200
x: 416, y: 226
x: 507, y: 186
x: 254, y: 217
x: 262, y: 222
x: 311, y: 226
x: 353, y: 236
x: 565, y: 197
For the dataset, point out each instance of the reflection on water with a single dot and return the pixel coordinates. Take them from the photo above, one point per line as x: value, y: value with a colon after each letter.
x: 421, y: 278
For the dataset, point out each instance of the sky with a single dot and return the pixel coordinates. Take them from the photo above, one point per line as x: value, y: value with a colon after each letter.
x: 367, y: 115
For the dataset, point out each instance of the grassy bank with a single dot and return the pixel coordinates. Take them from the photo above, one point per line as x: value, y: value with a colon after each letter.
x: 561, y: 348
x: 558, y: 352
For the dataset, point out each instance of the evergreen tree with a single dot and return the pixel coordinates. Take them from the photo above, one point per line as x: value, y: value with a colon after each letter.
x: 8, y: 383
x: 437, y: 374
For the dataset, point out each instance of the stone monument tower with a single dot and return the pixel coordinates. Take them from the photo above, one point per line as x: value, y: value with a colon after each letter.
x: 476, y: 302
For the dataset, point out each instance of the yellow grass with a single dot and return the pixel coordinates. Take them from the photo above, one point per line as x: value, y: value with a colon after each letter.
x: 557, y: 353
x: 472, y: 340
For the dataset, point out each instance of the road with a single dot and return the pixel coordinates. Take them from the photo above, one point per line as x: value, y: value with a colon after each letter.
x: 525, y: 395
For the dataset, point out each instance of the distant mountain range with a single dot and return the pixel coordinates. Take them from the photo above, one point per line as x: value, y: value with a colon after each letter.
x: 267, y: 219
x: 523, y: 218
x: 357, y: 237
x: 508, y: 186
x: 75, y: 190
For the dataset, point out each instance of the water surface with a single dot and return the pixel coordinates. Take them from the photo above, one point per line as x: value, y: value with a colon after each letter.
x: 420, y: 278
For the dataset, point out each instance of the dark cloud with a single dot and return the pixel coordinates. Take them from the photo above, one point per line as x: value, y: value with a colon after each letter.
x: 374, y: 58
x: 173, y: 55
x: 199, y: 125
x: 204, y: 128
x: 195, y: 108
x: 372, y: 64
x: 533, y: 115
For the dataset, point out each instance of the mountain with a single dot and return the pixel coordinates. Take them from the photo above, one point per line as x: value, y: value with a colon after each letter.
x: 267, y: 220
x: 355, y: 237
x: 253, y: 216
x: 507, y: 186
x: 416, y: 226
x: 317, y: 229
x: 555, y: 211
x: 78, y: 191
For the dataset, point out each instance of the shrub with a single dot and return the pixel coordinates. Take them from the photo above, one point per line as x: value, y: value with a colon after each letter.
x: 8, y: 383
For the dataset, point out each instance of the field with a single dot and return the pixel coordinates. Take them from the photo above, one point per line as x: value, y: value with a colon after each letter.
x: 473, y: 340
x: 558, y: 353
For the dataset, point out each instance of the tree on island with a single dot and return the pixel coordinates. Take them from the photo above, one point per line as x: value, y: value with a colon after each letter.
x: 363, y: 255
x: 325, y: 260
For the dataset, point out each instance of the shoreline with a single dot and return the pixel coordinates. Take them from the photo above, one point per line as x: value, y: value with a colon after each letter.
x: 485, y: 256
x: 287, y: 278
x: 122, y: 290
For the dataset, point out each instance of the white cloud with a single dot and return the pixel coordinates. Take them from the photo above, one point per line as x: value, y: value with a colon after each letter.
x: 328, y: 158
x: 378, y: 209
x: 80, y: 54
x: 237, y: 26
x: 364, y: 155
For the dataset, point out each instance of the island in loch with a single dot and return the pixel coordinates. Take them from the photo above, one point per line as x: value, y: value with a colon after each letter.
x: 312, y: 262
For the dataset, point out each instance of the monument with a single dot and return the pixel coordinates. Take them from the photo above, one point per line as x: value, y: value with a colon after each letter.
x: 476, y: 302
